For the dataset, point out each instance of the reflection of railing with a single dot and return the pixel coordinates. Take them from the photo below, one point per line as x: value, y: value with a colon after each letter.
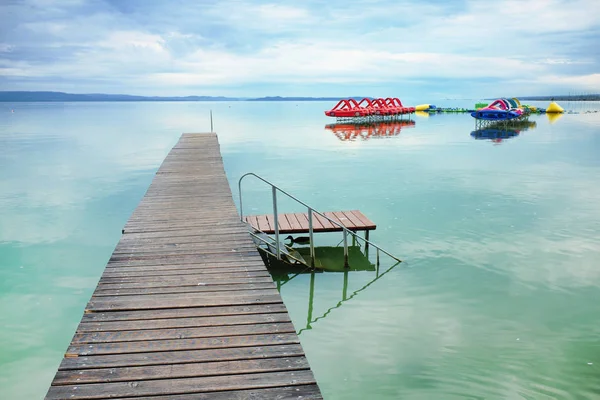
x: 274, y: 246
x: 368, y: 131
x: 309, y: 318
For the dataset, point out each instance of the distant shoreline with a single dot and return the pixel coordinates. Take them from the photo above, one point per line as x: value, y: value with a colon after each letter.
x: 58, y: 97
x: 590, y: 97
x: 20, y: 96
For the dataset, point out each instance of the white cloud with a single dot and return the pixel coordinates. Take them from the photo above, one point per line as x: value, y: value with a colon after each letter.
x: 588, y: 82
x: 269, y: 18
x: 129, y: 40
x: 244, y: 43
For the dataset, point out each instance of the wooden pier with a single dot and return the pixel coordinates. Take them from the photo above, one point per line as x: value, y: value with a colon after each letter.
x: 298, y: 222
x: 185, y: 308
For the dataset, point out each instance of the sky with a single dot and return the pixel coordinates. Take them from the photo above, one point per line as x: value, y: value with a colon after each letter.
x: 379, y: 48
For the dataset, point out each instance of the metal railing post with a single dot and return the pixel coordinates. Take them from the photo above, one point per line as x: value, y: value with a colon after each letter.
x: 276, y: 222
x: 310, y: 235
x: 241, y: 207
x: 346, y: 265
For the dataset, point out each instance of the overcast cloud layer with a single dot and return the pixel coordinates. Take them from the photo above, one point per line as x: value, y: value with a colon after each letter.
x: 301, y: 48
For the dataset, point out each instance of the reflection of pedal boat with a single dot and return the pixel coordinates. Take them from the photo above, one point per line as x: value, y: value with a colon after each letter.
x: 488, y: 114
x: 494, y: 134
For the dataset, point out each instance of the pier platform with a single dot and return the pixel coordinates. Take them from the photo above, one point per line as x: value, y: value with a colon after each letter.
x: 185, y: 308
x: 298, y: 222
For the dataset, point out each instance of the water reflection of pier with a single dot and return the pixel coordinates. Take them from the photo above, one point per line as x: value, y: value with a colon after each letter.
x: 368, y: 131
x: 330, y: 260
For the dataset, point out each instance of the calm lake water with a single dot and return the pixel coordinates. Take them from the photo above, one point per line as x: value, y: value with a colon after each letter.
x: 498, y: 297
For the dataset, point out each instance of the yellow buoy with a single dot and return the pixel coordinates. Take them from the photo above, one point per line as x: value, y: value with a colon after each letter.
x: 422, y: 107
x: 554, y: 108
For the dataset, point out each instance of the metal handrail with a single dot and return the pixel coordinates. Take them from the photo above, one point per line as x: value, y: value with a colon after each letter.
x: 311, y: 210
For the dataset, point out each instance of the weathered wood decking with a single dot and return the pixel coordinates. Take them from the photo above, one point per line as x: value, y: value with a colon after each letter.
x: 298, y: 222
x: 185, y: 308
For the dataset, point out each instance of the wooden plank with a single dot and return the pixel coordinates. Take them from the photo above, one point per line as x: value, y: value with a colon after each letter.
x: 263, y: 223
x: 284, y: 225
x: 171, y: 371
x: 149, y: 297
x: 101, y: 304
x: 185, y: 307
x: 181, y: 281
x: 327, y: 226
x: 181, y: 344
x: 140, y: 241
x: 205, y: 312
x: 181, y: 386
x: 189, y: 278
x: 181, y: 333
x: 179, y: 357
x: 367, y: 223
x: 356, y: 222
x: 252, y: 220
x: 341, y: 219
x: 136, y: 323
x: 347, y: 222
x: 198, y: 259
x: 102, y: 291
x: 200, y: 296
x: 293, y: 222
x: 175, y: 270
x: 215, y: 265
x: 303, y: 220
x: 271, y: 221
x: 300, y: 392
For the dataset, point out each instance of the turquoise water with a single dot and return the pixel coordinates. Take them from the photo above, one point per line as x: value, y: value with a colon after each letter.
x: 498, y: 297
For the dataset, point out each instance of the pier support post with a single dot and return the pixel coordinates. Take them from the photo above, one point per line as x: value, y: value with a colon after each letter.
x: 346, y: 265
x: 310, y: 235
x: 276, y: 223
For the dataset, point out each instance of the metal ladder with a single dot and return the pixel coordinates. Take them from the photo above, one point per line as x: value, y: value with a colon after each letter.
x: 279, y: 250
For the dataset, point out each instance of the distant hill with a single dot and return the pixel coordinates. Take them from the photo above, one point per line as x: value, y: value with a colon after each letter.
x: 279, y: 98
x: 60, y: 96
x: 19, y: 96
x: 575, y: 97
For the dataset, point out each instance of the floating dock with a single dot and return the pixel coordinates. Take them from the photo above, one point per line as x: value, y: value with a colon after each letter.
x: 298, y: 222
x: 185, y: 308
x: 369, y: 110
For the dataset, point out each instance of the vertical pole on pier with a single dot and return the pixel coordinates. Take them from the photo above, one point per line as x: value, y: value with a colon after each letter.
x: 276, y: 222
x: 346, y: 265
x: 211, y: 123
x: 310, y: 235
